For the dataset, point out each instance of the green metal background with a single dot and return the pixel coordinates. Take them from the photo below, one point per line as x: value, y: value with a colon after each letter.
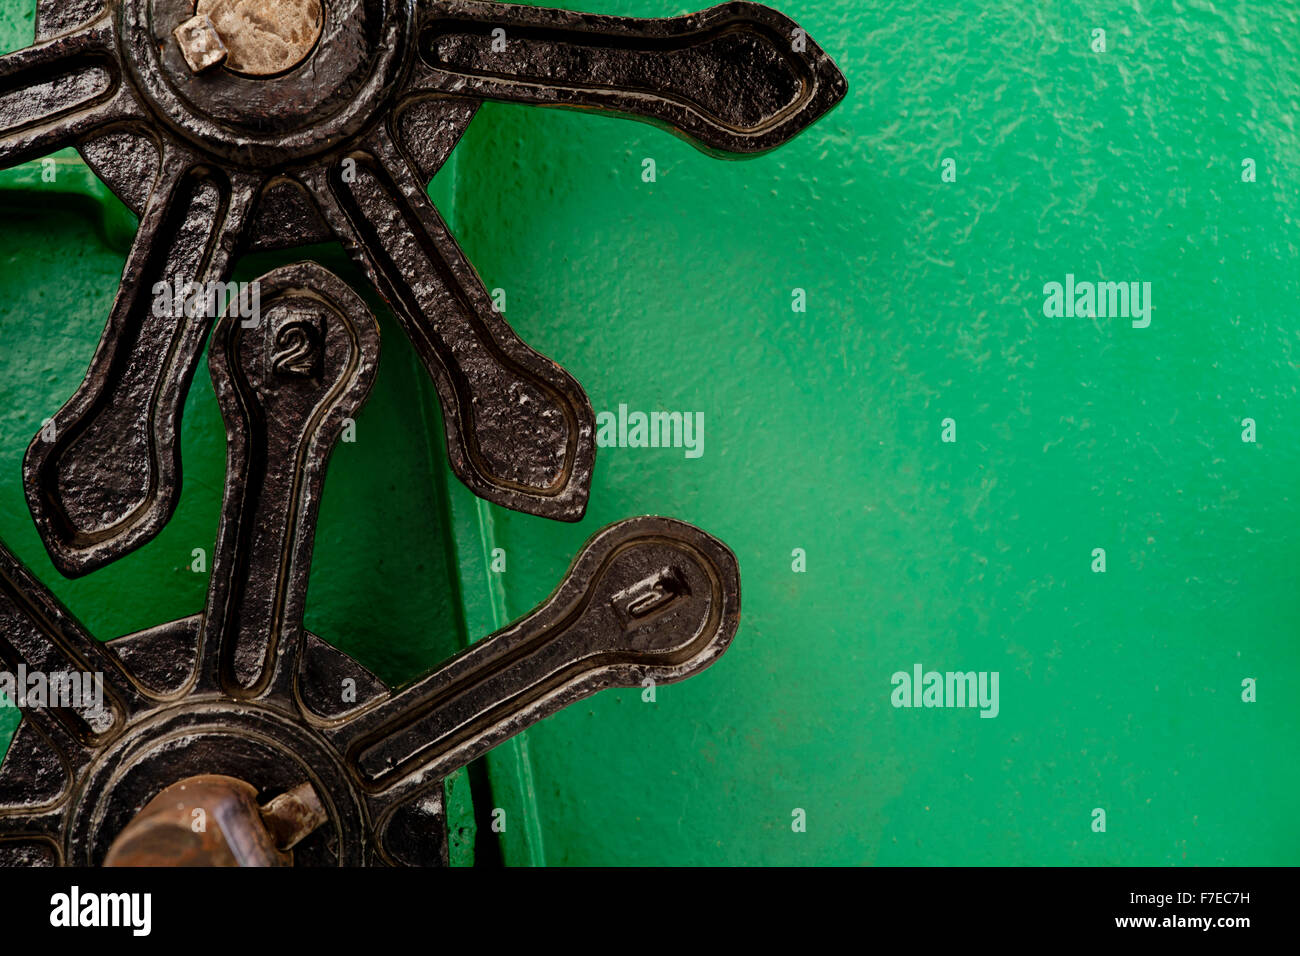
x: 822, y: 432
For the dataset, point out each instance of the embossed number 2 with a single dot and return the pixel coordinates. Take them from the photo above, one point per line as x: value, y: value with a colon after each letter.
x: 298, y: 343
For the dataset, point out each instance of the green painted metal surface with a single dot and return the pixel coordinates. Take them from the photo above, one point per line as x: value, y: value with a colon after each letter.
x: 823, y: 431
x: 1119, y: 691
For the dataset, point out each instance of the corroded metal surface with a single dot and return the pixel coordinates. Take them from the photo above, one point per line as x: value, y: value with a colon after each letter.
x: 200, y: 44
x: 243, y: 691
x: 343, y: 144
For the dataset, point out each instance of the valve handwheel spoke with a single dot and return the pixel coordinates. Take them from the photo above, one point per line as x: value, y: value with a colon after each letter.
x: 286, y: 388
x: 106, y: 476
x: 739, y: 78
x: 519, y: 428
x: 54, y: 93
x: 40, y: 639
x: 647, y: 599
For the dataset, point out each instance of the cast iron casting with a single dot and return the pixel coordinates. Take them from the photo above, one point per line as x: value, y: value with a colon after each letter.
x: 243, y: 692
x: 219, y: 154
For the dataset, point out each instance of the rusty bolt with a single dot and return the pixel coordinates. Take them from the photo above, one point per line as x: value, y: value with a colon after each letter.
x: 200, y: 43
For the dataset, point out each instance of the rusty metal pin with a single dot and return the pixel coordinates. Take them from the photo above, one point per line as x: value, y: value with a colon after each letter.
x: 211, y: 820
x: 200, y: 43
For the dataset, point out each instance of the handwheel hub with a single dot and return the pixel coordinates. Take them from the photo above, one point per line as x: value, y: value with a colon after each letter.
x: 295, y: 82
x: 128, y: 806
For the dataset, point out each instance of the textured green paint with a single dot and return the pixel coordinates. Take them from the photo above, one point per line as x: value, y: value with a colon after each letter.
x: 1118, y: 691
x: 925, y: 300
